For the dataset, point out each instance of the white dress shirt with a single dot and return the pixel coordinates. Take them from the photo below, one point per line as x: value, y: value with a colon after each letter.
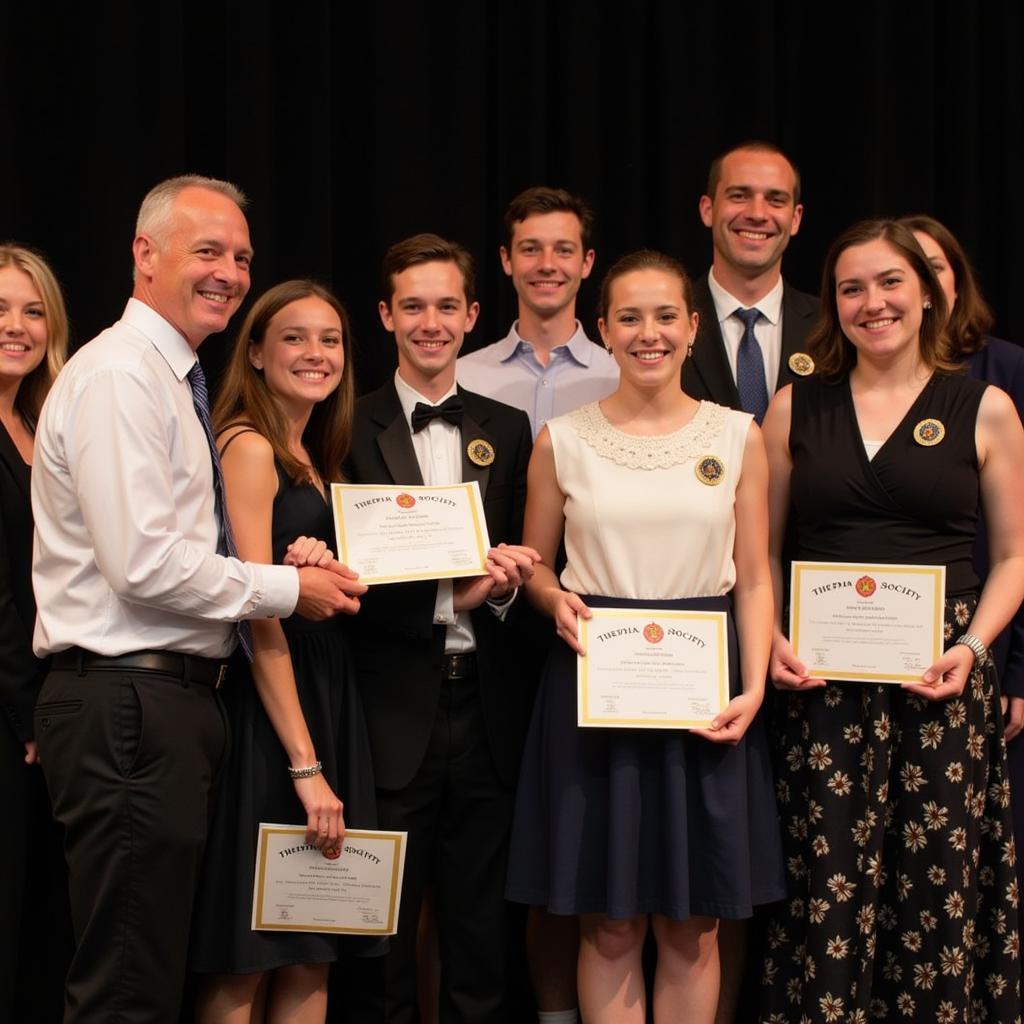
x: 578, y: 372
x: 125, y: 554
x: 438, y: 448
x: 767, y: 330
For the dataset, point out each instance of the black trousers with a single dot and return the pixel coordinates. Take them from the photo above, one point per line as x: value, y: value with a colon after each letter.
x: 129, y: 760
x: 458, y: 814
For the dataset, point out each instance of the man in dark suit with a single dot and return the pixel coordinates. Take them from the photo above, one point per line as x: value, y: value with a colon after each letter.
x: 436, y: 663
x: 752, y: 324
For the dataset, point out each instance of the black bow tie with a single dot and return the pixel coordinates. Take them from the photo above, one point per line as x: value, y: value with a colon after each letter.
x: 450, y: 409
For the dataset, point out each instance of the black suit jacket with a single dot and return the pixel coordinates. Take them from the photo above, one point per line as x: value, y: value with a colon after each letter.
x: 21, y: 674
x: 398, y: 648
x: 706, y: 374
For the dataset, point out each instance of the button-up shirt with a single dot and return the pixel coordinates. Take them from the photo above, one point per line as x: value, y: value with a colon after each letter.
x: 125, y: 555
x: 578, y: 372
x: 767, y: 330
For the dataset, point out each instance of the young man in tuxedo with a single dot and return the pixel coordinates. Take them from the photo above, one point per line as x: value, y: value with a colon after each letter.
x: 436, y: 660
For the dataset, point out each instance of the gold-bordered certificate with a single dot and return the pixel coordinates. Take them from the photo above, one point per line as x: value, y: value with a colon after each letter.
x: 298, y: 888
x: 648, y: 668
x: 391, y: 534
x: 867, y: 623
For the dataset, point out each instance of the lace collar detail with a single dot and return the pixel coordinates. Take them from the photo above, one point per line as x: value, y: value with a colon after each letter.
x: 661, y: 452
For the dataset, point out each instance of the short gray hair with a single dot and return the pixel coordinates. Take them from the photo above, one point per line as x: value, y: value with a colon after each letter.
x: 155, y: 211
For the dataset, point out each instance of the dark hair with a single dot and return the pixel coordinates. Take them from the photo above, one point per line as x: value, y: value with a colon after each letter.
x: 541, y: 199
x: 758, y: 146
x: 970, y: 319
x: 34, y: 388
x: 244, y: 396
x: 427, y: 248
x: 643, y: 259
x: 833, y: 353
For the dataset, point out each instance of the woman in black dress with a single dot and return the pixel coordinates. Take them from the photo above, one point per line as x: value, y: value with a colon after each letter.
x: 894, y: 801
x: 283, y: 419
x: 33, y: 344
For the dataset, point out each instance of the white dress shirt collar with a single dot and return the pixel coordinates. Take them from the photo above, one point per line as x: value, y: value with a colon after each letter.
x: 165, y: 337
x: 409, y: 396
x: 726, y: 304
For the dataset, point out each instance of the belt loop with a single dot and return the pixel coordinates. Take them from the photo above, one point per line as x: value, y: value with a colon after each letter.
x: 80, y: 660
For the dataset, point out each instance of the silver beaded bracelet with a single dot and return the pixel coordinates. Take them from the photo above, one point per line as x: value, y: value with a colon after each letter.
x: 305, y: 773
x: 977, y: 647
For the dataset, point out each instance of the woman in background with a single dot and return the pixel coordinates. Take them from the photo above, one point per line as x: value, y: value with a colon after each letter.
x: 298, y: 739
x: 34, y: 921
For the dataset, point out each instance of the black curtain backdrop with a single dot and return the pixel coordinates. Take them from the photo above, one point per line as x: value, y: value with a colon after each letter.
x: 353, y: 125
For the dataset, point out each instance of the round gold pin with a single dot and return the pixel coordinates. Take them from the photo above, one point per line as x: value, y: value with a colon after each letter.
x: 801, y: 363
x: 929, y: 432
x: 710, y: 470
x: 480, y: 452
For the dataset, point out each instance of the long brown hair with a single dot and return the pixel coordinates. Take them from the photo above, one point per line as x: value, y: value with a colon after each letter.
x: 244, y: 396
x: 833, y: 353
x: 970, y: 319
x: 36, y: 385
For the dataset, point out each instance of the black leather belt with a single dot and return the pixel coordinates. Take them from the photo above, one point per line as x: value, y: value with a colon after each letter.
x: 459, y: 666
x: 190, y: 668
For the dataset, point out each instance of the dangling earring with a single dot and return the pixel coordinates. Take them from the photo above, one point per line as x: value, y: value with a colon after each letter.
x: 689, y: 349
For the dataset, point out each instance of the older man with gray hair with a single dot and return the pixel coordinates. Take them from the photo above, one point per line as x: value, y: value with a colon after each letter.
x: 139, y: 597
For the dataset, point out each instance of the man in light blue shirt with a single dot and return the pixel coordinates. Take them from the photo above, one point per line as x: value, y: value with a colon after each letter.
x: 546, y: 365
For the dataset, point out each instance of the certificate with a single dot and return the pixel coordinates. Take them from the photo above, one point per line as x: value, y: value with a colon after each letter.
x: 394, y: 534
x: 867, y: 623
x: 649, y: 668
x: 298, y: 888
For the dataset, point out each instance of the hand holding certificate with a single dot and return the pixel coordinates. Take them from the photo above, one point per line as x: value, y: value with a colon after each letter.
x: 393, y: 534
x: 652, y: 669
x: 299, y: 888
x: 867, y: 623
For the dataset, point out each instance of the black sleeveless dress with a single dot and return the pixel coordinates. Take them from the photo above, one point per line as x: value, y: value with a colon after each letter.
x: 894, y: 810
x: 255, y: 786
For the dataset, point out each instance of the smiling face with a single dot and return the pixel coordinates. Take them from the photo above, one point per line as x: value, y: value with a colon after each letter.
x: 195, y: 272
x: 880, y: 300
x: 429, y: 317
x: 648, y: 327
x: 547, y: 262
x: 23, y: 330
x: 940, y: 264
x: 302, y: 354
x: 753, y: 212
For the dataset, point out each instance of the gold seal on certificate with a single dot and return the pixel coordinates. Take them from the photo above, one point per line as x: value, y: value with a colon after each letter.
x: 801, y: 364
x: 391, y: 534
x: 867, y: 623
x: 298, y: 888
x: 651, y: 668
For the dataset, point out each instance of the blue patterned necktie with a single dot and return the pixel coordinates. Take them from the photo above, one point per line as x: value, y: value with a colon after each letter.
x: 750, y: 382
x: 226, y: 540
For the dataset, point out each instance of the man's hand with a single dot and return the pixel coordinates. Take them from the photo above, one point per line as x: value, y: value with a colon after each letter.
x: 508, y: 566
x: 325, y: 592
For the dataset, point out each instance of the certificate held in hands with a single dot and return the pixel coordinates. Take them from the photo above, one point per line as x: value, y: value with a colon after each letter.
x: 299, y: 888
x: 394, y: 534
x: 649, y: 668
x: 867, y: 623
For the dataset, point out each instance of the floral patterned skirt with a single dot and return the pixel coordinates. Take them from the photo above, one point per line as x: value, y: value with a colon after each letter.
x: 895, y: 815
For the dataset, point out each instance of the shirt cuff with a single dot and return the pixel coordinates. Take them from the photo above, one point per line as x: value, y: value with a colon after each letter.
x: 501, y: 605
x: 279, y: 587
x: 444, y: 604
